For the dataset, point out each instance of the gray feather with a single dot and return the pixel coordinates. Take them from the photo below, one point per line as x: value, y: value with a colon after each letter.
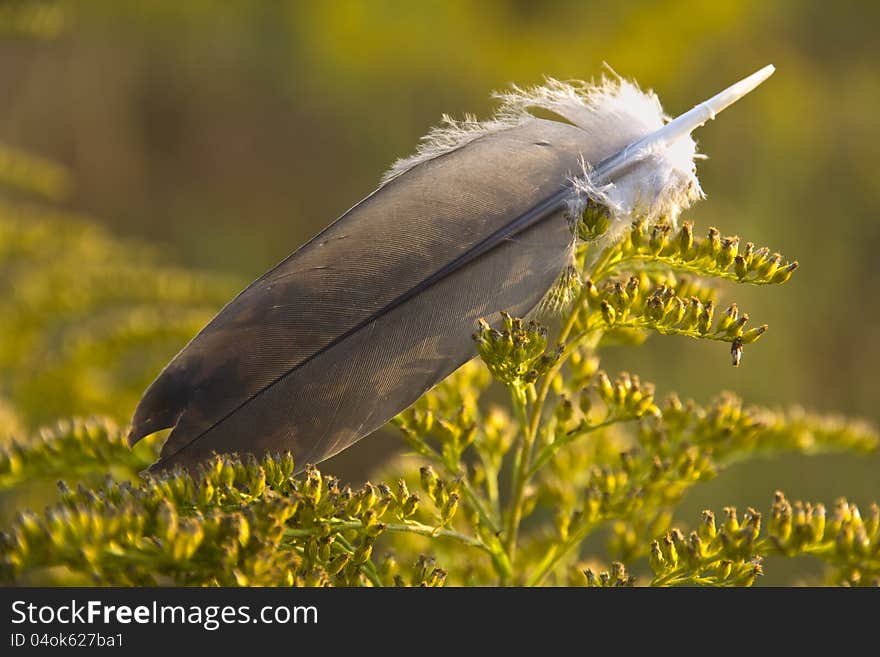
x: 315, y: 354
x: 378, y: 308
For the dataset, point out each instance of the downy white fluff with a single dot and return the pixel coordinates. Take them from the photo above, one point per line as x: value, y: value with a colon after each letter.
x: 614, y: 111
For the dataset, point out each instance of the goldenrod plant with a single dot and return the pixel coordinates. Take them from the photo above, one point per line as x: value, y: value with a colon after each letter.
x: 574, y: 480
x: 86, y: 319
x: 489, y: 494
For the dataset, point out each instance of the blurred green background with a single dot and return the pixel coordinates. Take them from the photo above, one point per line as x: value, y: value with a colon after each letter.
x: 224, y: 134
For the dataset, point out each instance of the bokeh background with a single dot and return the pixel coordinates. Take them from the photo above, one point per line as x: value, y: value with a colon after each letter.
x: 218, y: 136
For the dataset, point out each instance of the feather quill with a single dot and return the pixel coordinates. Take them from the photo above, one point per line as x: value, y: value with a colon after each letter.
x: 379, y: 307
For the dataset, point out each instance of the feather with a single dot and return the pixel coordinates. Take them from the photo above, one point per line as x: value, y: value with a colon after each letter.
x: 379, y: 307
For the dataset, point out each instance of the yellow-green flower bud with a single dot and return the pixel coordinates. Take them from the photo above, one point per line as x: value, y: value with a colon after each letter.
x: 375, y: 529
x: 674, y: 311
x: 783, y: 274
x: 449, y: 509
x: 731, y: 522
x: 591, y: 291
x: 727, y: 319
x: 686, y: 239
x: 368, y: 495
x: 748, y: 574
x: 591, y: 578
x: 604, y: 387
x: 659, y: 236
x: 411, y: 505
x: 769, y: 267
x: 353, y: 505
x: 752, y: 335
x: 872, y: 522
x: 654, y: 308
x: 337, y: 563
x: 619, y: 298
x: 740, y: 267
x: 817, y: 522
x: 368, y: 517
x: 564, y: 410
x: 657, y: 561
x: 729, y: 249
x: 748, y: 255
x: 705, y: 322
x: 711, y: 246
x: 312, y: 485
x: 608, y: 313
x: 287, y: 464
x: 697, y: 547
x: 585, y: 402
x: 402, y: 490
x: 429, y: 479
x: 437, y: 577
x: 780, y: 527
x: 637, y: 236
x: 364, y: 551
x: 324, y: 548
x: 670, y: 553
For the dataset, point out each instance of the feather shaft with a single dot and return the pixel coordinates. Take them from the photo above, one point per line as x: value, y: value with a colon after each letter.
x: 679, y: 127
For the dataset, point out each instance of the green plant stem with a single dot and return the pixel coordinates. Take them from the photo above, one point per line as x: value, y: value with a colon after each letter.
x: 426, y: 530
x: 543, y: 567
x: 499, y: 558
x: 408, y: 526
x: 557, y: 553
x: 476, y: 502
x: 550, y: 449
x: 718, y: 336
x: 491, y: 484
x: 697, y: 267
x: 522, y: 462
x: 520, y: 468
